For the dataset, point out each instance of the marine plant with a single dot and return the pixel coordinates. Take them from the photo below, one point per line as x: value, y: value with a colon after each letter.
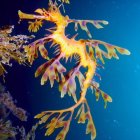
x: 11, y: 48
x: 8, y: 107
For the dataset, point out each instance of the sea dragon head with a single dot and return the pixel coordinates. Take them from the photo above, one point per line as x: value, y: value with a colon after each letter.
x: 52, y: 14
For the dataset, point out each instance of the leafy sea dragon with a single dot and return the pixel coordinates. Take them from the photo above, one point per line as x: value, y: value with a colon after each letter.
x: 11, y: 48
x: 86, y: 52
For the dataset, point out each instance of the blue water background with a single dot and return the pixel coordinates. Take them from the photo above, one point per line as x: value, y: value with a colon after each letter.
x: 120, y: 78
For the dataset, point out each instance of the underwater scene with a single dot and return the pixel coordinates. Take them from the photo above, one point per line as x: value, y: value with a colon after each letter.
x: 69, y: 69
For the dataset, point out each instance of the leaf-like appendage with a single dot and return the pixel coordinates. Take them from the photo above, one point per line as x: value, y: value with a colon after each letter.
x: 41, y: 69
x: 66, y: 1
x: 58, y: 121
x: 82, y: 116
x: 61, y: 122
x: 99, y: 92
x: 43, y: 51
x: 81, y: 78
x: 122, y: 50
x: 51, y: 126
x: 38, y: 116
x: 44, y: 119
x: 51, y: 71
x: 91, y: 52
x: 99, y: 53
x: 69, y: 85
x: 85, y: 115
x: 32, y: 51
x: 90, y: 126
x: 63, y: 132
x: 83, y: 25
x: 35, y: 26
x: 106, y: 98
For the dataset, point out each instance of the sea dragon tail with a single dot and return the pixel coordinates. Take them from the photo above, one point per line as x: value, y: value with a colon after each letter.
x: 83, y: 113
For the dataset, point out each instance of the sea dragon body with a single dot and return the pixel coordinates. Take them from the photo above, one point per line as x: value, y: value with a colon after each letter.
x: 53, y: 69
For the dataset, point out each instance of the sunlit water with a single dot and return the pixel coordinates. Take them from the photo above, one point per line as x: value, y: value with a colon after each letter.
x: 120, y: 78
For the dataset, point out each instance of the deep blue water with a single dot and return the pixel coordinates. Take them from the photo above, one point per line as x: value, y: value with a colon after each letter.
x: 120, y: 78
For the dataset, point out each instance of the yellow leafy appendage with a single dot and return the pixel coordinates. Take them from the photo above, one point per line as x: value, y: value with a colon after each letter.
x: 54, y: 70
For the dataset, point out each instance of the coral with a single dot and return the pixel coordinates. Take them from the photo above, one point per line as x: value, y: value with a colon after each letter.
x: 11, y: 48
x: 86, y: 52
x: 7, y: 130
x: 6, y: 100
x: 30, y: 134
